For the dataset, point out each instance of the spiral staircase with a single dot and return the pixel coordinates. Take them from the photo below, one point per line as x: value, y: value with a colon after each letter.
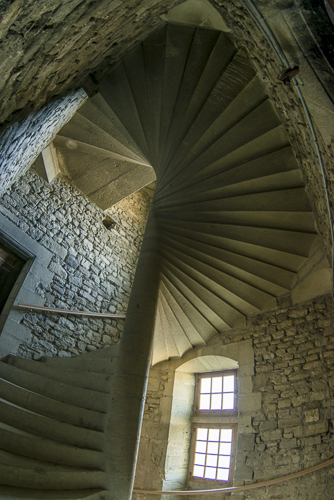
x: 230, y: 224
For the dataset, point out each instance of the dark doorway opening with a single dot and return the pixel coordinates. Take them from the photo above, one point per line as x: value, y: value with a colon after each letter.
x: 11, y: 266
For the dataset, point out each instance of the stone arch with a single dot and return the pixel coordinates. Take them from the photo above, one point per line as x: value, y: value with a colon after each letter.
x: 202, y: 360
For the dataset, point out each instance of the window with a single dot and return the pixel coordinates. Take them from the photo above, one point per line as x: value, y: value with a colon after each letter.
x: 214, y: 451
x: 213, y: 444
x: 216, y: 393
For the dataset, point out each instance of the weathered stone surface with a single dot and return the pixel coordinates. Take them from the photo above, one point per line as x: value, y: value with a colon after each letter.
x: 291, y: 429
x: 92, y: 267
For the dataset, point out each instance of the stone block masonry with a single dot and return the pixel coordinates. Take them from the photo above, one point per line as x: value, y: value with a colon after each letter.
x: 49, y: 48
x: 292, y: 426
x: 92, y: 268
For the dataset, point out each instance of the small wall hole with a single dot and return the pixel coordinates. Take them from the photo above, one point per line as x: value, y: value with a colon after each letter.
x: 108, y: 222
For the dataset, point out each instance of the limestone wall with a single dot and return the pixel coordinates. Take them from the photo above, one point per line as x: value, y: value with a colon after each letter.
x: 50, y: 47
x: 21, y: 143
x: 89, y: 268
x: 286, y: 414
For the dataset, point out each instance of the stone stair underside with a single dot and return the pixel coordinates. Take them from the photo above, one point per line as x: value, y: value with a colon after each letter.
x: 185, y: 107
x: 235, y: 220
x: 234, y: 217
x: 99, y: 157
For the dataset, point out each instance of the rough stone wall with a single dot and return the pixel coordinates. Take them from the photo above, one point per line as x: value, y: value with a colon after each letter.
x: 293, y: 428
x: 93, y: 268
x: 48, y: 48
x: 245, y: 33
x: 21, y: 143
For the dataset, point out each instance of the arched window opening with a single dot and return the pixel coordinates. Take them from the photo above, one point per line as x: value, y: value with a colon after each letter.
x: 187, y: 420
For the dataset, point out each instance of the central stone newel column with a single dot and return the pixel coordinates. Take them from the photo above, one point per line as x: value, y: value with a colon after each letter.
x: 127, y: 396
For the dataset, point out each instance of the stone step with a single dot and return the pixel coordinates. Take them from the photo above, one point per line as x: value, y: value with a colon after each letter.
x: 200, y: 50
x: 53, y: 389
x: 236, y: 296
x: 216, y: 97
x: 47, y: 407
x: 188, y: 327
x: 275, y: 162
x: 117, y: 92
x: 250, y: 287
x: 217, y: 189
x: 48, y: 450
x: 289, y: 242
x: 25, y: 472
x: 51, y: 428
x: 232, y: 262
x: 83, y: 130
x: 235, y: 127
x: 190, y: 307
x: 172, y: 349
x: 208, y: 304
x: 175, y: 329
x: 98, y: 111
x: 78, y: 378
x: 45, y: 494
x: 290, y: 262
x: 177, y: 50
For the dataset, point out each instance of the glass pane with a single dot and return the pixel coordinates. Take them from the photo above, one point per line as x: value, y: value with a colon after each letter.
x: 210, y: 473
x: 226, y: 435
x: 224, y: 449
x: 204, y: 402
x: 213, y: 434
x: 228, y: 401
x: 200, y: 458
x: 205, y: 385
x: 223, y: 474
x: 229, y: 383
x: 213, y: 448
x: 202, y: 434
x: 200, y: 446
x: 216, y: 402
x: 198, y: 471
x: 224, y: 461
x: 217, y: 384
x: 212, y: 460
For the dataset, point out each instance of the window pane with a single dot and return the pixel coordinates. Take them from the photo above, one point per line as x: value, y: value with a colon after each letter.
x: 213, y: 434
x: 217, y: 384
x: 200, y: 446
x: 212, y: 460
x: 202, y: 434
x: 228, y: 401
x: 229, y: 383
x: 198, y: 471
x: 224, y: 461
x: 210, y: 472
x: 213, y: 448
x: 200, y: 458
x: 223, y: 474
x: 204, y: 402
x: 205, y: 385
x: 226, y: 435
x: 216, y: 402
x: 224, y: 449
